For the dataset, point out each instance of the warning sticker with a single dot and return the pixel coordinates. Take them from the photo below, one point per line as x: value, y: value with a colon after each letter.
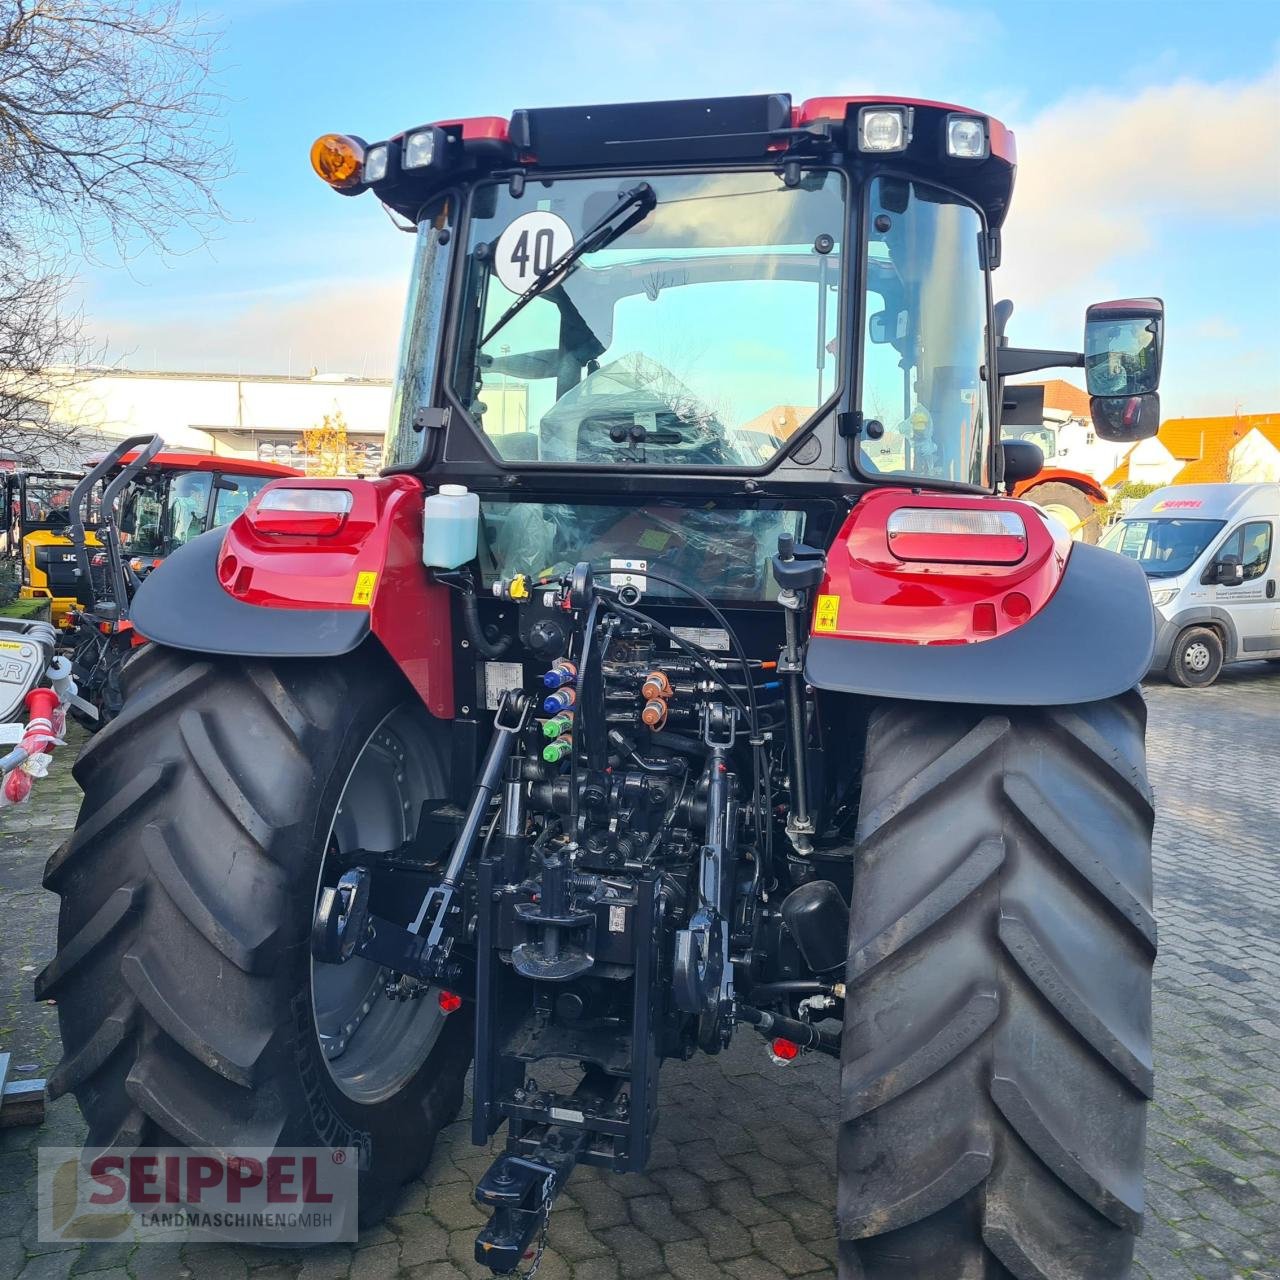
x: 10, y: 644
x: 704, y: 637
x: 365, y: 583
x: 826, y: 613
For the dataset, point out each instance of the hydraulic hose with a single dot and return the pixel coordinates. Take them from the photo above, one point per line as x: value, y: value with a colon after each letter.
x: 805, y: 1034
x: 475, y: 632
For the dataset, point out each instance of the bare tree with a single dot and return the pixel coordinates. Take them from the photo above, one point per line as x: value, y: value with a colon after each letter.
x: 108, y: 126
x: 43, y: 352
x: 108, y: 145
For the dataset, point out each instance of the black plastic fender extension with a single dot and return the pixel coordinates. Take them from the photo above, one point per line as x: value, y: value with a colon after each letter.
x: 183, y: 605
x: 1093, y: 640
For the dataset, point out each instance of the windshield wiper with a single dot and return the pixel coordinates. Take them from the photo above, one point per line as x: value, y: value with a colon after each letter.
x: 603, y: 232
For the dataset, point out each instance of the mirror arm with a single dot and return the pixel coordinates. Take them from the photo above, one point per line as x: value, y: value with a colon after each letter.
x: 1015, y: 360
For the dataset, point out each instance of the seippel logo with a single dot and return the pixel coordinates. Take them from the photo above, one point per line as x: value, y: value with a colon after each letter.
x: 176, y: 1193
x: 65, y: 1216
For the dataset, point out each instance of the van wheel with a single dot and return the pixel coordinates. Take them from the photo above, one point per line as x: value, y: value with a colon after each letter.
x: 1197, y: 658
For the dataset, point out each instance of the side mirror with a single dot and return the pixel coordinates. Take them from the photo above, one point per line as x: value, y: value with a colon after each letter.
x: 1022, y: 460
x: 1228, y: 571
x: 1123, y: 347
x: 1125, y: 418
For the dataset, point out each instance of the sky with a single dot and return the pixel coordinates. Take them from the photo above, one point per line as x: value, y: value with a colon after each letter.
x: 1148, y: 137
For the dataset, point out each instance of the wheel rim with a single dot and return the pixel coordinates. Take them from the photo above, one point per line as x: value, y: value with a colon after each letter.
x: 1197, y: 657
x: 373, y: 1045
x: 1064, y: 515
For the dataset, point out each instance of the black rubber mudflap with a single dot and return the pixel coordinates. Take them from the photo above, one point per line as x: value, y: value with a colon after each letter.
x: 182, y: 971
x: 997, y: 1050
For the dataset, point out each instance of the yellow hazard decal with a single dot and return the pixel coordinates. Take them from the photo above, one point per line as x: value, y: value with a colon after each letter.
x: 826, y: 613
x: 365, y: 583
x: 10, y: 644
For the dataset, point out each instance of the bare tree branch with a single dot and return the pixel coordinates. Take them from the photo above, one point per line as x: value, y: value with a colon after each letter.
x: 109, y: 144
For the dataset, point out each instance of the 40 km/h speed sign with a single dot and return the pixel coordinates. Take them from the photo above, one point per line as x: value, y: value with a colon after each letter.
x: 528, y: 247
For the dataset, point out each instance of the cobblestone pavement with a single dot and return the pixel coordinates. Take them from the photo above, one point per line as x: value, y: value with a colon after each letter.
x: 742, y: 1181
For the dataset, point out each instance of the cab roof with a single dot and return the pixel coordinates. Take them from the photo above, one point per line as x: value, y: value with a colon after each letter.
x: 695, y: 131
x: 214, y: 462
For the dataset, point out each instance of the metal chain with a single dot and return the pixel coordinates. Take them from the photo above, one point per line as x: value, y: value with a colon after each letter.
x: 547, y: 1196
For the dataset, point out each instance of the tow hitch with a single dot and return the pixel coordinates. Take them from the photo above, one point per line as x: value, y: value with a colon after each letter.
x: 521, y: 1186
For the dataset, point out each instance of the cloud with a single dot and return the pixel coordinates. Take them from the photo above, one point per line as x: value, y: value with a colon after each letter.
x: 1216, y: 329
x: 1104, y: 178
x: 675, y: 49
x: 340, y: 326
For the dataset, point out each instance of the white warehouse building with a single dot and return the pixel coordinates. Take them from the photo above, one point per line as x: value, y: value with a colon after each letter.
x: 249, y: 416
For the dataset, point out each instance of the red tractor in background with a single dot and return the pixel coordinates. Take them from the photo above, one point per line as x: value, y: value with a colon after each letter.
x: 149, y: 503
x: 607, y: 723
x: 1071, y: 496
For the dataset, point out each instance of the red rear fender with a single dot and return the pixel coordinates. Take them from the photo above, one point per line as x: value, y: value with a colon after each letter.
x: 373, y: 563
x: 973, y: 589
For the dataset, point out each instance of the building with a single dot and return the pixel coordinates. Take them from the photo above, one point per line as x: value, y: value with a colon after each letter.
x: 227, y: 414
x: 1236, y: 449
x: 1067, y: 437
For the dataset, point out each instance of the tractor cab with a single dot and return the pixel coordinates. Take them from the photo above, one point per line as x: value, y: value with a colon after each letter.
x: 179, y: 496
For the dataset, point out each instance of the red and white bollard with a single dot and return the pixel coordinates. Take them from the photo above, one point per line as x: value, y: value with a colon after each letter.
x: 46, y: 722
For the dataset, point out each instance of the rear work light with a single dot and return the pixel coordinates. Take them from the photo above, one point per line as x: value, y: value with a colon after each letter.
x: 967, y: 138
x: 884, y: 129
x: 301, y: 512
x: 375, y: 163
x: 951, y: 536
x: 420, y: 148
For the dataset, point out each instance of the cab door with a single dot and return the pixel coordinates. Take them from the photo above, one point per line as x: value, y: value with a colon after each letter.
x: 1254, y: 604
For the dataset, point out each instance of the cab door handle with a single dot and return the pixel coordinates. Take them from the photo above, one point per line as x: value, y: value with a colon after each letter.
x: 1271, y: 588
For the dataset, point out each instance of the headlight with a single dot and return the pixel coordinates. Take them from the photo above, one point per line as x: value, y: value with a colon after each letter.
x: 419, y: 149
x: 882, y: 129
x: 375, y: 163
x: 1165, y: 595
x: 966, y: 138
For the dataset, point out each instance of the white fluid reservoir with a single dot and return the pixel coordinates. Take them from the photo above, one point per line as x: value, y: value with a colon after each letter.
x: 450, y: 527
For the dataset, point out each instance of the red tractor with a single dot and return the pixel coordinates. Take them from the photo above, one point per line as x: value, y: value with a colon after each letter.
x: 150, y: 503
x: 607, y: 723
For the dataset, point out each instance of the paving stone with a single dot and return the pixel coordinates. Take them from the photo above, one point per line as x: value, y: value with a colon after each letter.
x: 381, y: 1262
x: 48, y: 1266
x: 158, y: 1262
x: 421, y: 1239
x: 13, y: 1257
x: 636, y: 1253
x: 101, y: 1256
x: 690, y: 1260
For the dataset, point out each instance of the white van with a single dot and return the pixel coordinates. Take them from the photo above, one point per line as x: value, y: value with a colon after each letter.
x: 1211, y: 553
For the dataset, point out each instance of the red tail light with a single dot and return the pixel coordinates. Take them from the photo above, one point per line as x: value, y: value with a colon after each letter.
x: 313, y: 513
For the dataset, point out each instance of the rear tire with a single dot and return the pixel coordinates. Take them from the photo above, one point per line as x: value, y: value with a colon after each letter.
x: 183, y: 975
x: 1196, y: 661
x: 997, y: 1047
x: 1070, y: 505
